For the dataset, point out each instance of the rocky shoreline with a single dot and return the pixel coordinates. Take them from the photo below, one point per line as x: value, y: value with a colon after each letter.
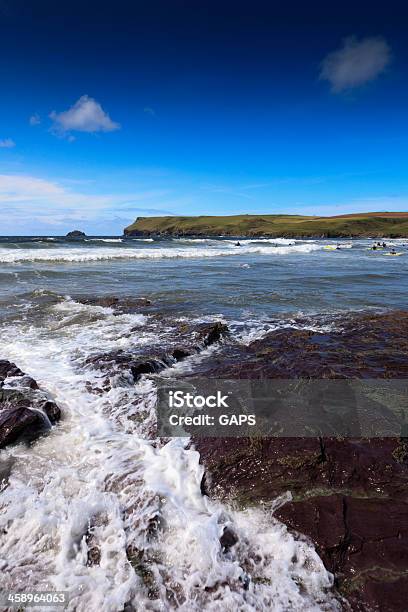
x: 349, y: 496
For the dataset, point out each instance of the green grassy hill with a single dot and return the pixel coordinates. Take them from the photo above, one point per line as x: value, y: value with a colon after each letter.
x: 391, y: 225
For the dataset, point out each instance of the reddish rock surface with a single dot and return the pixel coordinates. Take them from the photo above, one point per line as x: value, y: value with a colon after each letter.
x: 350, y: 496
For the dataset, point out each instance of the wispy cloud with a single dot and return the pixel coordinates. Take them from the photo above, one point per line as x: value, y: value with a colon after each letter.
x: 149, y: 111
x: 50, y: 204
x: 35, y: 119
x: 86, y: 115
x: 7, y: 143
x: 355, y: 63
x: 354, y: 205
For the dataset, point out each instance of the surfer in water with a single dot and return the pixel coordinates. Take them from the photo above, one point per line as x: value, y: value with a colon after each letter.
x: 238, y: 243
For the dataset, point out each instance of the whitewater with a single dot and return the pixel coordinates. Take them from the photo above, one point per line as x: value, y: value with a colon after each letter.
x: 100, y: 478
x: 89, y: 254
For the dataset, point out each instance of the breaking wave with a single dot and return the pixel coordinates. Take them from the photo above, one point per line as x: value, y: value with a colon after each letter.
x: 103, y: 240
x: 85, y: 254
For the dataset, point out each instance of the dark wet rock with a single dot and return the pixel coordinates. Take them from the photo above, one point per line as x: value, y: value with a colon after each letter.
x: 228, y: 539
x: 246, y: 581
x: 150, y: 366
x: 5, y: 471
x: 210, y: 333
x: 120, y: 305
x: 350, y: 496
x: 8, y: 369
x: 52, y: 411
x: 20, y: 422
x: 183, y: 340
x: 92, y: 541
x: 25, y: 411
x: 144, y: 568
x: 132, y: 365
x: 203, y: 336
x: 179, y: 353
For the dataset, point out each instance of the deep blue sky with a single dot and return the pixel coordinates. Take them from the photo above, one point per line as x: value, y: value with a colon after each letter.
x: 211, y: 108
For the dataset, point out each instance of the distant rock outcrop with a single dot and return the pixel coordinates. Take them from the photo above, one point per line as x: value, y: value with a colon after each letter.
x: 76, y: 234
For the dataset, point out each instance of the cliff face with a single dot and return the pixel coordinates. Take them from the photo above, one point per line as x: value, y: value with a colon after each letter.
x: 393, y: 225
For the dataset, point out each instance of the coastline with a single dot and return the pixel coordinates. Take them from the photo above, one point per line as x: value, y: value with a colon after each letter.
x: 367, y: 225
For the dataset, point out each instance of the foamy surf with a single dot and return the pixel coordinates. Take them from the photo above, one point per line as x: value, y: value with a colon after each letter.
x: 113, y: 240
x: 86, y: 254
x: 98, y: 481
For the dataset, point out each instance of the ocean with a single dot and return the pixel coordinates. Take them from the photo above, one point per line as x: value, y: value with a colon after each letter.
x: 100, y: 478
x: 213, y: 277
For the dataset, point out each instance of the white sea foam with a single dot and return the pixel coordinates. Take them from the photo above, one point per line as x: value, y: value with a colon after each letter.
x: 198, y: 240
x: 103, y: 240
x: 282, y: 241
x: 256, y: 329
x: 98, y: 480
x: 86, y: 254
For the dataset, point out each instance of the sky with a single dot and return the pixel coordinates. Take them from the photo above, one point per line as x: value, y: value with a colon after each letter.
x: 114, y: 110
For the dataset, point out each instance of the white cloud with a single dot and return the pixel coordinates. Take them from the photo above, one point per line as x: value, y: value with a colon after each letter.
x: 35, y: 119
x: 86, y: 115
x: 355, y: 63
x: 32, y: 202
x: 7, y: 143
x: 23, y: 189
